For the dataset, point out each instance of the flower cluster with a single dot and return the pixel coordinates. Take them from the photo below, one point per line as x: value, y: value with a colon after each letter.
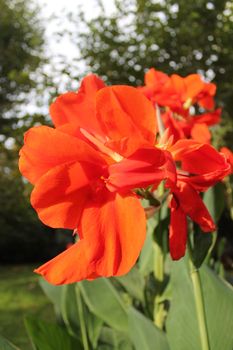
x: 182, y: 99
x: 104, y: 153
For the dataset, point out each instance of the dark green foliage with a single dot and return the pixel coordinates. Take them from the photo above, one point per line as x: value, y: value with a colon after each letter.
x: 21, y: 40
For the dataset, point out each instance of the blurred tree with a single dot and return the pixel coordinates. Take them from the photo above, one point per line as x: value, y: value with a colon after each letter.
x: 23, y: 237
x: 21, y: 42
x: 181, y: 36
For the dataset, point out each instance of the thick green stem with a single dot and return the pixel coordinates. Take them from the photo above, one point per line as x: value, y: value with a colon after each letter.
x: 159, y: 271
x: 159, y: 275
x: 199, y: 302
x: 82, y: 321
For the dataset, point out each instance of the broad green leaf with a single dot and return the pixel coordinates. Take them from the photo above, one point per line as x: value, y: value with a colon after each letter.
x: 6, y: 345
x: 104, y: 301
x: 94, y: 325
x: 202, y: 242
x: 46, y: 336
x: 54, y: 293
x: 182, y: 324
x: 215, y: 200
x: 144, y: 334
x: 65, y: 304
x: 134, y: 283
x: 111, y: 339
x: 69, y: 309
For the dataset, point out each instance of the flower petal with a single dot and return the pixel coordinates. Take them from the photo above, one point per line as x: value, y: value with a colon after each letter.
x: 177, y: 231
x: 141, y: 169
x: 59, y: 196
x: 109, y: 246
x: 198, y: 158
x: 201, y: 133
x: 193, y: 206
x: 78, y: 108
x: 123, y: 111
x: 45, y: 148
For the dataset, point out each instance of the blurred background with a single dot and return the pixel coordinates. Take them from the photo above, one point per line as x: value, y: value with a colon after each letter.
x: 45, y: 49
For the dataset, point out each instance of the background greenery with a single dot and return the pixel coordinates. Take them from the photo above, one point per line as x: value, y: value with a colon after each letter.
x: 175, y: 36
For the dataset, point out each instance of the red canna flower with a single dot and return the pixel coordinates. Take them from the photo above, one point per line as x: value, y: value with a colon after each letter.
x: 195, y: 127
x: 85, y: 172
x: 178, y: 93
x: 200, y: 167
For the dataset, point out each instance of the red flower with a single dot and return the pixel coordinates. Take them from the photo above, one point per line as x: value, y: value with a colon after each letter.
x: 195, y: 127
x: 201, y: 167
x: 85, y: 172
x: 178, y: 93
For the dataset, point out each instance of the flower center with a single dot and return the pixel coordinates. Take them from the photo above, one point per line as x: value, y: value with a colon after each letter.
x: 100, y: 145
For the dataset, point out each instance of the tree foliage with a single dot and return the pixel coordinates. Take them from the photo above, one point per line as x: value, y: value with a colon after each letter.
x: 21, y: 42
x: 176, y: 36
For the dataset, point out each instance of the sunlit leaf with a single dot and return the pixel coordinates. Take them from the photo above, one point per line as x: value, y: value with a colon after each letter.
x: 144, y: 334
x: 104, y: 301
x: 182, y: 324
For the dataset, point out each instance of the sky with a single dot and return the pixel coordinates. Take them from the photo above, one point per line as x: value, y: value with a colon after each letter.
x: 53, y: 8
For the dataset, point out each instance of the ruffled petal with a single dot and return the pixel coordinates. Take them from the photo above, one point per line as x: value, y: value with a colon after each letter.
x: 123, y: 111
x: 211, y: 118
x: 177, y: 231
x: 141, y: 169
x: 201, y: 133
x: 198, y: 158
x: 45, y: 148
x: 110, y: 245
x: 78, y: 108
x: 155, y: 79
x: 194, y: 85
x: 60, y: 195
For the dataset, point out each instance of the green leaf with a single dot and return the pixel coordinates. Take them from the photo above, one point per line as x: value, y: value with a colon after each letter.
x: 105, y: 302
x: 144, y: 334
x: 146, y: 259
x: 94, y: 325
x: 215, y: 200
x: 69, y: 309
x: 111, y: 339
x: 182, y: 324
x: 46, y: 336
x: 133, y: 283
x: 201, y: 244
x: 6, y: 345
x: 54, y: 293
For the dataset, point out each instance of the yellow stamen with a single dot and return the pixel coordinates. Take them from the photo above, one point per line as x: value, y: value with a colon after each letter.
x: 104, y: 149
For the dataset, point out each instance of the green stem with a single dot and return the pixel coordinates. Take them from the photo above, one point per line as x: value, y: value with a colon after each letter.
x: 159, y: 272
x: 199, y: 302
x: 82, y: 321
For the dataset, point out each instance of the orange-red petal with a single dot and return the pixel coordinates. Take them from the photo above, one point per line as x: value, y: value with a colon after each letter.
x: 201, y: 133
x: 78, y: 108
x: 141, y: 169
x: 229, y: 155
x: 110, y: 245
x: 177, y: 231
x: 60, y: 195
x: 123, y: 111
x: 45, y: 148
x: 193, y: 206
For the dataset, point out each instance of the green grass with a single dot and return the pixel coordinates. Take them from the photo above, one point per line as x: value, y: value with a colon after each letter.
x: 20, y: 296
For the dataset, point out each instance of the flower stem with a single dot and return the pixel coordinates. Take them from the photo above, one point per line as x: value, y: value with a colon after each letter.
x: 159, y: 270
x: 200, y: 309
x: 82, y: 321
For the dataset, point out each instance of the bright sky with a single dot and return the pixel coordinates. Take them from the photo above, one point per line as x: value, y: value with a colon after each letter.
x: 54, y: 8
